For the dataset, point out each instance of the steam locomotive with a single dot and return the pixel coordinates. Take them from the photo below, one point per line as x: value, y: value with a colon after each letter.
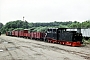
x: 52, y: 35
x: 61, y: 36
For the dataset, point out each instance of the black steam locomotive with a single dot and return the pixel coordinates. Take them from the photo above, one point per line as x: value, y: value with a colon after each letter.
x: 61, y: 36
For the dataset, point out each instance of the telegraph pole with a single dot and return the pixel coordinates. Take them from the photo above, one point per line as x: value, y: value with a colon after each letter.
x: 23, y: 22
x: 23, y: 18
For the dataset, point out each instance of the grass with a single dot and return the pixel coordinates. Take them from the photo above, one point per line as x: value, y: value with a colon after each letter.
x: 89, y: 40
x: 85, y: 42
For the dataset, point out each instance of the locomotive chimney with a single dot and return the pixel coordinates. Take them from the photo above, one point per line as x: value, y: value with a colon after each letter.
x: 78, y: 30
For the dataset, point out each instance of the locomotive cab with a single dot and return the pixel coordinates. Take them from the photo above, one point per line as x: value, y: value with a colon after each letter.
x: 52, y: 33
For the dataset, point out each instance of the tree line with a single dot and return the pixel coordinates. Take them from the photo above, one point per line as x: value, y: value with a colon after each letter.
x: 12, y: 25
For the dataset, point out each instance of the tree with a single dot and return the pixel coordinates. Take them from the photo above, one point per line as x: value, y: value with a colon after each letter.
x: 63, y: 26
x: 1, y: 25
x: 26, y: 24
x: 85, y: 24
x: 75, y: 24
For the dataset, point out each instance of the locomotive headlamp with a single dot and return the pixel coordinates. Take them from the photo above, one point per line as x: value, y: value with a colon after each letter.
x: 80, y: 35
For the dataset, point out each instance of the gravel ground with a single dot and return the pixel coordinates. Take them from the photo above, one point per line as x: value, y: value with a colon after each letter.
x: 14, y: 48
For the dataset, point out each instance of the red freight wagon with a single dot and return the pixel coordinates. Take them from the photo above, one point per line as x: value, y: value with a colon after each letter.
x: 17, y: 33
x: 21, y: 33
x: 25, y: 33
x: 32, y: 35
x: 40, y: 35
x: 13, y: 33
x: 29, y: 35
x: 35, y: 35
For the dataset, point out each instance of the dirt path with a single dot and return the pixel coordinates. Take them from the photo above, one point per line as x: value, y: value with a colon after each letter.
x: 13, y: 48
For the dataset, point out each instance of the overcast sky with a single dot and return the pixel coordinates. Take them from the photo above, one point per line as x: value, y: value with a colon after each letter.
x: 44, y: 10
